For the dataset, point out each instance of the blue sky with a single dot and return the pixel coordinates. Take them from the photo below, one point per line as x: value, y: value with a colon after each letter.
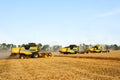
x: 61, y: 22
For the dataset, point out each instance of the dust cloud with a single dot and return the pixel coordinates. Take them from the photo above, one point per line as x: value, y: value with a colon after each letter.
x: 4, y: 54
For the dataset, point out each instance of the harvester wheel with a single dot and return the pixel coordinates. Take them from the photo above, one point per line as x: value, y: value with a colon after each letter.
x: 50, y: 54
x: 76, y: 52
x: 45, y: 56
x: 86, y: 52
x: 22, y: 56
x: 36, y: 55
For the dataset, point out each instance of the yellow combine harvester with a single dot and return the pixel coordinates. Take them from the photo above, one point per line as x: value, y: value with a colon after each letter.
x: 29, y: 50
x: 72, y: 49
x: 95, y: 49
x: 98, y: 49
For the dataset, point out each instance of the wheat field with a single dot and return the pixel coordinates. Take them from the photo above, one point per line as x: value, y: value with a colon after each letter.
x: 62, y: 68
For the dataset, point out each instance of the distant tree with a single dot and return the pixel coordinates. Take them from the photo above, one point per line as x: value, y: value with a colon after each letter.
x: 56, y: 47
x: 4, y: 46
x: 119, y: 47
x: 13, y: 45
x: 22, y: 45
x: 9, y: 46
x: 18, y: 45
x: 85, y: 46
x: 114, y: 47
x: 107, y: 47
x: 45, y: 47
x: 39, y: 46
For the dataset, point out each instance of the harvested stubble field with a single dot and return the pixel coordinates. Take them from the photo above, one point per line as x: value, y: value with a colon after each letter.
x: 62, y: 68
x: 114, y: 55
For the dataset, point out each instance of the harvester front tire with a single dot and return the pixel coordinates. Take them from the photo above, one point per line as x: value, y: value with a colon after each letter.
x: 22, y: 56
x: 50, y: 54
x: 36, y: 55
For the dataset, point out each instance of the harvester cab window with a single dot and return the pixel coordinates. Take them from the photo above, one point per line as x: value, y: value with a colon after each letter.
x: 71, y: 46
x: 96, y: 47
x: 27, y: 47
x: 32, y: 44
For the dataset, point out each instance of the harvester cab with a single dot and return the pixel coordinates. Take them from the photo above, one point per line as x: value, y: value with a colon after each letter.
x: 28, y: 50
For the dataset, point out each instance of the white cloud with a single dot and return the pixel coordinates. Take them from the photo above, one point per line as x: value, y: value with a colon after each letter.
x: 111, y: 13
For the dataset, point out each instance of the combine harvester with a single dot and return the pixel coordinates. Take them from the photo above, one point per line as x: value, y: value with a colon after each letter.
x: 29, y: 50
x: 74, y: 49
x: 97, y: 49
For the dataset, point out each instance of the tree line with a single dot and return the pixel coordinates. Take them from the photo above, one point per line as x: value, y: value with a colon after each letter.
x: 47, y: 47
x: 106, y: 46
